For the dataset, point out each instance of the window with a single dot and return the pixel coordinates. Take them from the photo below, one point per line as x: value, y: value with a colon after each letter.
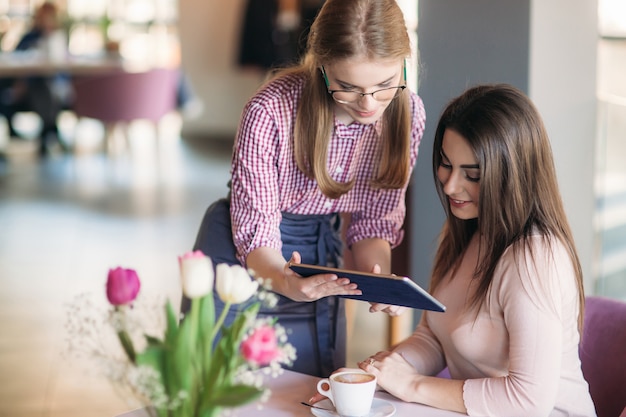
x: 610, y: 212
x: 143, y: 31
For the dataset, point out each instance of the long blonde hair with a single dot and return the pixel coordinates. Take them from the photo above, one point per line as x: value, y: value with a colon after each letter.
x: 345, y: 29
x: 519, y: 193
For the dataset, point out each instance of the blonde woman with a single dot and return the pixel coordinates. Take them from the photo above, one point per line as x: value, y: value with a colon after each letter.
x: 336, y: 136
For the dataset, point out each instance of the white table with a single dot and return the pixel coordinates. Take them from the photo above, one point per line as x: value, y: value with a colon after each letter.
x: 289, y: 389
x: 27, y: 63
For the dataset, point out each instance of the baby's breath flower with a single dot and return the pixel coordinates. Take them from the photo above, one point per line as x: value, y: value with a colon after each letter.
x: 273, y: 369
x: 265, y: 295
x: 264, y: 397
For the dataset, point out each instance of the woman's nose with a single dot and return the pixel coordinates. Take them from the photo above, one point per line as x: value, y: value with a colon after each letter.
x: 366, y: 101
x: 452, y: 184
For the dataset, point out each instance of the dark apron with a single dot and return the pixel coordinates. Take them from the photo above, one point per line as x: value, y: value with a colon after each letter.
x: 316, y: 329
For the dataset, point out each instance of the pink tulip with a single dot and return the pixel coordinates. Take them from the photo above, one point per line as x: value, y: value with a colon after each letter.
x: 122, y: 286
x: 261, y: 347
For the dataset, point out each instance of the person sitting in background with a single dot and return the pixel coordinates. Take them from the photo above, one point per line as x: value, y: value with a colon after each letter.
x: 274, y: 32
x: 46, y: 96
x: 506, y: 269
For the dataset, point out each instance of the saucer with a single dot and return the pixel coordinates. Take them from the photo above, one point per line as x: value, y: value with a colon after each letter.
x: 380, y: 408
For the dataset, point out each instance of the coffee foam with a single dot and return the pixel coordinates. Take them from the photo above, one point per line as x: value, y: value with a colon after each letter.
x: 353, y: 378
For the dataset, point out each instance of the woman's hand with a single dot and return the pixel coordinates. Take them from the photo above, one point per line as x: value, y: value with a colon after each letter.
x: 317, y: 397
x: 316, y: 286
x: 392, y: 310
x: 396, y: 376
x: 393, y: 374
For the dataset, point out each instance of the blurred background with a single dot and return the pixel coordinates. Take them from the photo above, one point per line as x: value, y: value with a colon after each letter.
x: 133, y: 194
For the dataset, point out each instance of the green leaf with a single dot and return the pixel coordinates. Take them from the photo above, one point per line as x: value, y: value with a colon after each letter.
x: 182, y: 357
x: 171, y: 330
x: 211, y: 412
x: 226, y: 357
x: 235, y: 334
x: 217, y: 370
x: 153, y: 341
x: 232, y: 396
x: 170, y: 369
x: 127, y: 344
x: 207, y: 316
x: 229, y: 348
x: 154, y: 357
x: 205, y: 329
x: 237, y: 328
x: 160, y: 412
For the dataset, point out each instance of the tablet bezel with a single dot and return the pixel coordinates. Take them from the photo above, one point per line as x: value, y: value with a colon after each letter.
x: 378, y: 288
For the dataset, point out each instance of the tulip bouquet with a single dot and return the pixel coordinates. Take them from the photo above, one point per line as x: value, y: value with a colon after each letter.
x: 198, y: 366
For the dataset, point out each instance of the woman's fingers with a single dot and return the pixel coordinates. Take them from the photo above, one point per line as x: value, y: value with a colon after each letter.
x: 387, y: 308
x: 317, y: 397
x: 323, y: 285
x: 316, y: 286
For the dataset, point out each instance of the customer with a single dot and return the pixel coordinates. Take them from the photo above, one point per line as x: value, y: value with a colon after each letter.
x: 336, y: 135
x: 46, y: 96
x: 506, y: 269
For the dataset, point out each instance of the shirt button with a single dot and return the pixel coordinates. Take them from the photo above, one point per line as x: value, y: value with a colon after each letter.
x: 338, y: 170
x: 328, y: 204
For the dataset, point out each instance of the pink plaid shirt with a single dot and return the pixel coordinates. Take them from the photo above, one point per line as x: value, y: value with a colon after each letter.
x: 266, y: 180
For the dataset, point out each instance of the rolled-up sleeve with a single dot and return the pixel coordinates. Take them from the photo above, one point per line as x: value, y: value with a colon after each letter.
x: 255, y: 210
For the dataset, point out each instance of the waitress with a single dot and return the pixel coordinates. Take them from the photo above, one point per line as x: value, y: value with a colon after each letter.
x: 321, y: 163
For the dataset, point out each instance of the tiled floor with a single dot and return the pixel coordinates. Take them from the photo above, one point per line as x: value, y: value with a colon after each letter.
x: 64, y: 222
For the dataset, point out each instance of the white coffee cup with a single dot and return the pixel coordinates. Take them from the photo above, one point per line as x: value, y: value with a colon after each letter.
x: 351, y: 392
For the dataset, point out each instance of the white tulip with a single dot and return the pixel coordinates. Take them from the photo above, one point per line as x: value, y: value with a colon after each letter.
x: 196, y: 271
x: 233, y: 283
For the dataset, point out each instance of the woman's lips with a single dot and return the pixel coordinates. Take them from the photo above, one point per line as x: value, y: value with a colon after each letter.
x: 365, y: 115
x: 458, y: 203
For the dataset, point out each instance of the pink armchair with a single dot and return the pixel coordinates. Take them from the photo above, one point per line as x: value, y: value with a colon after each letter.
x: 603, y: 354
x: 121, y: 97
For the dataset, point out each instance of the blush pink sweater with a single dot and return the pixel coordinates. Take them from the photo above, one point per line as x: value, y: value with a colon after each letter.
x: 518, y: 354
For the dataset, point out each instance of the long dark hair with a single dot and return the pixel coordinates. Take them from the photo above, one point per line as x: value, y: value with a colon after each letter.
x: 519, y: 193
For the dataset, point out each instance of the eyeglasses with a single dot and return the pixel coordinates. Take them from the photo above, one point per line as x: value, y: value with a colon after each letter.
x: 351, y: 96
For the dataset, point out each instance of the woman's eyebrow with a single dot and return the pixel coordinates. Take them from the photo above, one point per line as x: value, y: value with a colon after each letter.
x: 464, y: 166
x: 347, y: 84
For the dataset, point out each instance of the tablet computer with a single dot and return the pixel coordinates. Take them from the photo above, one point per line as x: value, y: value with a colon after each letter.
x: 378, y: 288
